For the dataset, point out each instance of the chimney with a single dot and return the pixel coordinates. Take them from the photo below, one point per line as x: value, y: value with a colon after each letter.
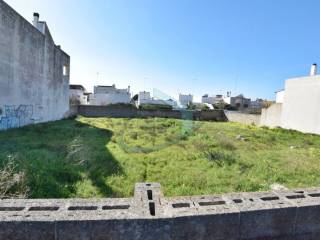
x: 36, y: 19
x: 314, y: 69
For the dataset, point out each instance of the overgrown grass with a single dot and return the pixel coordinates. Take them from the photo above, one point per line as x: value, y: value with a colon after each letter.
x: 105, y: 157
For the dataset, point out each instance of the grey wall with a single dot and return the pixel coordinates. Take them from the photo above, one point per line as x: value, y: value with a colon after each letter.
x: 32, y: 86
x: 290, y: 214
x: 271, y: 116
x: 127, y: 112
x: 244, y: 118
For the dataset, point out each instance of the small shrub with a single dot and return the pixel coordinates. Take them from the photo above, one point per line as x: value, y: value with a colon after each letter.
x: 12, y: 182
x: 220, y: 158
x: 155, y: 107
x: 122, y: 105
x: 227, y: 144
x: 134, y: 135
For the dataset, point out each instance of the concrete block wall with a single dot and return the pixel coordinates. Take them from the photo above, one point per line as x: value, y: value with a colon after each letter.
x: 290, y: 214
x: 128, y: 112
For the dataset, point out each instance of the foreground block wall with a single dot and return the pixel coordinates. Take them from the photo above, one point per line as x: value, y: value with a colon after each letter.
x: 33, y: 87
x: 149, y: 215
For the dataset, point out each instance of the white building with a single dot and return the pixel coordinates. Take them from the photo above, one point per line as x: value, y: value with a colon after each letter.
x: 280, y: 96
x: 212, y: 100
x: 299, y: 109
x: 105, y: 95
x: 239, y: 102
x: 145, y: 98
x: 206, y: 99
x: 185, y: 99
x: 144, y: 95
x: 77, y: 95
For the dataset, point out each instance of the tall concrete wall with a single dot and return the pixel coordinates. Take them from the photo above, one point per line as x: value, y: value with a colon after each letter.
x: 300, y: 110
x: 32, y: 85
x: 271, y: 116
x: 150, y: 216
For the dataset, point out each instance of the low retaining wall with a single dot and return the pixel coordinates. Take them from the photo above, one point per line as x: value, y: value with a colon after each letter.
x: 244, y: 118
x: 149, y: 215
x: 123, y: 112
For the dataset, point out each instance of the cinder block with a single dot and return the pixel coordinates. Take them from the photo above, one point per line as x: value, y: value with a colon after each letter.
x: 308, y: 209
x: 264, y: 215
x: 204, y: 217
x: 27, y: 230
x: 70, y: 230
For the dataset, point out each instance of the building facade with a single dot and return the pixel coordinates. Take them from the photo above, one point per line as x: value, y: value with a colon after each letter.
x: 185, y: 99
x: 280, y: 96
x: 145, y: 98
x: 299, y: 109
x: 239, y: 102
x: 78, y: 95
x: 105, y: 95
x: 212, y: 100
x: 34, y: 72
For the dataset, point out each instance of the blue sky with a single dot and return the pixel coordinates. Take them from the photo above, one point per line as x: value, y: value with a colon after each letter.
x: 187, y: 46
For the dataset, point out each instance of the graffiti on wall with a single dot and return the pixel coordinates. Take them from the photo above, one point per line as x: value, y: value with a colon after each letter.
x: 16, y: 116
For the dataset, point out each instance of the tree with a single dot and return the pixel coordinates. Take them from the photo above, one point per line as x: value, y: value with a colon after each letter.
x: 135, y: 98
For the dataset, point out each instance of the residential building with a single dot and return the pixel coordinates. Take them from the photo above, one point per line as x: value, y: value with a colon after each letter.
x: 144, y: 95
x: 206, y: 99
x: 185, y: 99
x: 105, y: 95
x: 212, y: 100
x: 145, y: 98
x: 280, y: 96
x: 299, y: 109
x: 239, y: 102
x: 78, y: 95
x: 34, y: 72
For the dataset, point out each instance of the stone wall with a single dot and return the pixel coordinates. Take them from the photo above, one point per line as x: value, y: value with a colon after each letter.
x: 130, y: 112
x: 32, y: 85
x: 244, y: 118
x: 290, y: 214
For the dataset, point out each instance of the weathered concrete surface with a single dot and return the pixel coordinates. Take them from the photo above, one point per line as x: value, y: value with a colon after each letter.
x: 149, y: 215
x: 244, y: 118
x: 33, y: 87
x: 271, y: 116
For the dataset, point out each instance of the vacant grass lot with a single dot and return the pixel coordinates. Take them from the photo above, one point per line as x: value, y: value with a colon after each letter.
x: 103, y: 157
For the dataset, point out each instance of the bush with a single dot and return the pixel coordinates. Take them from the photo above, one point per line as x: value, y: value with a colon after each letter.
x: 220, y: 158
x: 227, y: 144
x: 155, y: 107
x: 122, y: 105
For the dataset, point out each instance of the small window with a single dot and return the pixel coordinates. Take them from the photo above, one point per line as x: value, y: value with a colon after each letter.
x: 65, y: 70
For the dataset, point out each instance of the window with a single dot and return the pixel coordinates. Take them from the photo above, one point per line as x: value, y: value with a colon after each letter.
x: 65, y: 70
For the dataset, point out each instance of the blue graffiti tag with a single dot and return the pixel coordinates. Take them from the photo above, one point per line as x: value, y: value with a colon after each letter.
x: 16, y: 116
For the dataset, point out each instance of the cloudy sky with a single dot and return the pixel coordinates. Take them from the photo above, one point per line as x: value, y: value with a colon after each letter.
x: 187, y: 46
